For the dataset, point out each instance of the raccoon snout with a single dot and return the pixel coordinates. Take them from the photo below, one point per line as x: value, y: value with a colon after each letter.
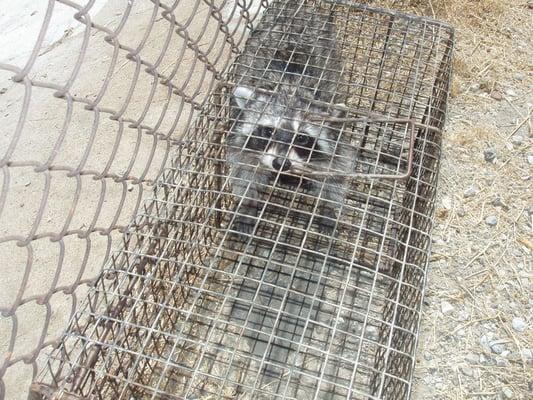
x: 281, y: 164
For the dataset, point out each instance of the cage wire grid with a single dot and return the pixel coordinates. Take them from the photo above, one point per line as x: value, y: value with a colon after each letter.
x: 189, y: 308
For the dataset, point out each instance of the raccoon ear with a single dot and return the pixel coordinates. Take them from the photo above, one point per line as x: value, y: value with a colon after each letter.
x: 339, y: 110
x: 241, y: 95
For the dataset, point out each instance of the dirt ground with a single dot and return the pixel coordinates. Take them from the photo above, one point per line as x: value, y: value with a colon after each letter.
x: 477, y: 335
x: 477, y: 332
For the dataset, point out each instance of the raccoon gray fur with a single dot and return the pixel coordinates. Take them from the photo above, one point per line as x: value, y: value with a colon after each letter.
x: 289, y: 61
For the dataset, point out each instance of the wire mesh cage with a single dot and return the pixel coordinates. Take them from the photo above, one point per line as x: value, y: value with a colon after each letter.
x: 283, y: 252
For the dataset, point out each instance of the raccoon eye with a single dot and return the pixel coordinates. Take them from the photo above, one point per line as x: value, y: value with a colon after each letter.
x: 264, y: 131
x: 302, y: 140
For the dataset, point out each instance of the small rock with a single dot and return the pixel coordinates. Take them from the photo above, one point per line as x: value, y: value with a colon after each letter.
x: 447, y: 203
x: 518, y: 324
x: 510, y: 92
x: 530, y: 159
x: 446, y: 307
x: 461, y: 212
x: 507, y: 393
x: 27, y: 184
x: 502, y: 362
x: 517, y: 140
x: 463, y: 316
x: 491, y: 220
x: 490, y: 155
x: 467, y: 371
x: 519, y: 76
x: 497, y: 348
x: 472, y: 358
x: 3, y: 90
x: 482, y: 359
x: 527, y: 354
x: 484, y: 341
x: 496, y: 95
x: 471, y: 191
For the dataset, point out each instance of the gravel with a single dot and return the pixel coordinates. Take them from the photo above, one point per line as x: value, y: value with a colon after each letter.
x: 472, y: 358
x: 467, y: 371
x: 477, y: 267
x: 517, y: 140
x: 471, y: 191
x: 518, y: 324
x: 490, y: 155
x: 491, y: 220
x: 497, y: 348
x: 446, y: 307
x: 496, y: 95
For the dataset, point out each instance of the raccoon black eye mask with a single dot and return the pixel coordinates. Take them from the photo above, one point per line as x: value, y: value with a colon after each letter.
x: 305, y: 147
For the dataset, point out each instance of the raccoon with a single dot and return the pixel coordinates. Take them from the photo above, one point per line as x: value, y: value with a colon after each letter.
x: 289, y: 63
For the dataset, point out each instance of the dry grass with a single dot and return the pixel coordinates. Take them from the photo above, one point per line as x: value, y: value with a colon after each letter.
x: 484, y: 272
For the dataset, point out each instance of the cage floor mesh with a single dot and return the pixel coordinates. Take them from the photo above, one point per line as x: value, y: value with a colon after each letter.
x: 188, y: 309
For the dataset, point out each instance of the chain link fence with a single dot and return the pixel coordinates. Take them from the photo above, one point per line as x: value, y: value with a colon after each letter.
x: 116, y: 207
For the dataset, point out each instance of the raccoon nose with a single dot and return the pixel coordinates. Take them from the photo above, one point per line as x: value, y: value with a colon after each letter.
x: 281, y: 164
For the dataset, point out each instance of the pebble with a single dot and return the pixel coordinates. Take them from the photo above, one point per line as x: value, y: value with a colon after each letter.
x: 3, y: 90
x: 527, y: 354
x: 490, y: 155
x: 507, y: 393
x: 463, y: 316
x: 510, y: 92
x: 484, y: 341
x: 517, y: 140
x: 491, y: 220
x: 502, y: 362
x: 518, y: 324
x: 446, y: 307
x: 472, y: 358
x: 530, y: 159
x: 497, y: 348
x: 496, y: 95
x: 471, y: 191
x: 467, y: 371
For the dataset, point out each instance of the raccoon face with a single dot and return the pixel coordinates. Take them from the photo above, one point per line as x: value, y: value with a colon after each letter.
x: 274, y: 130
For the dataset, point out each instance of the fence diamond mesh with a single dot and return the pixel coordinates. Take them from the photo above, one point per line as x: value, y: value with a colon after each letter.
x: 217, y: 199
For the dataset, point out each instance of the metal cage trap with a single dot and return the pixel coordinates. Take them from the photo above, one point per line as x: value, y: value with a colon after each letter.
x: 291, y: 308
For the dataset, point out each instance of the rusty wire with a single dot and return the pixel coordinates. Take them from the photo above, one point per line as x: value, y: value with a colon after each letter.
x: 178, y: 306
